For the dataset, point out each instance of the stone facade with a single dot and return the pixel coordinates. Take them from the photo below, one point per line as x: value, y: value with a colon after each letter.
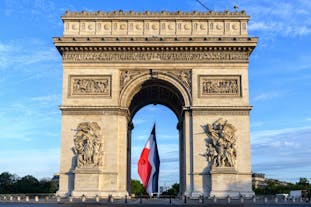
x: 196, y: 63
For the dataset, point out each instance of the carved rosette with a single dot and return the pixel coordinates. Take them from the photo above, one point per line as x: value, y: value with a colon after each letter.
x: 87, y: 145
x: 220, y: 144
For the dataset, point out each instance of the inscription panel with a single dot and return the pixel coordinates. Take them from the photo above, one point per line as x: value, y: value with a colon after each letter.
x: 219, y: 86
x: 90, y: 85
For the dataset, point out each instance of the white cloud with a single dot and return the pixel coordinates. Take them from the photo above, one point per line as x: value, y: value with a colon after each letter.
x: 30, y: 119
x: 153, y: 108
x: 267, y: 96
x: 261, y: 26
x: 5, y: 47
x: 31, y: 60
x: 265, y: 136
x: 37, y: 162
x: 168, y: 136
x: 278, y: 152
x: 270, y: 18
x: 280, y: 18
x: 138, y: 121
x: 55, y: 98
x: 35, y: 10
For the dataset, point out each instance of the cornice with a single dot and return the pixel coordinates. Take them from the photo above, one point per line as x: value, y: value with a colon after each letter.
x: 222, y: 108
x: 72, y: 108
x: 154, y: 39
x: 155, y: 44
x: 62, y: 49
x: 149, y: 14
x: 94, y: 110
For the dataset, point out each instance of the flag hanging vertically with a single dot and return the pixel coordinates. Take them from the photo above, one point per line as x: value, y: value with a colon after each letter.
x: 149, y: 164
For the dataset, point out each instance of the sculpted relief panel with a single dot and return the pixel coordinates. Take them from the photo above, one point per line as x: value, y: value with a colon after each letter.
x: 90, y: 85
x: 184, y: 76
x: 220, y: 86
x: 220, y: 144
x: 87, y: 144
x: 128, y: 75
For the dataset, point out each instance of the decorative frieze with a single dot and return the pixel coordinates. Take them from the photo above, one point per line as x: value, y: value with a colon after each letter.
x: 90, y: 85
x: 155, y: 56
x: 210, y: 85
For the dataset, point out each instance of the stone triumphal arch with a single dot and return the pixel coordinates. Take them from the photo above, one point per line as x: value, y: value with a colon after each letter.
x: 195, y: 63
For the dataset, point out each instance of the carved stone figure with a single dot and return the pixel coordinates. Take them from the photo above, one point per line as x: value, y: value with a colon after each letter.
x: 184, y: 76
x: 220, y: 144
x: 220, y: 85
x: 90, y: 86
x: 87, y: 144
x: 126, y: 76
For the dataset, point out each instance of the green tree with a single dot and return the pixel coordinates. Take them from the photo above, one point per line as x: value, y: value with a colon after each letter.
x: 10, y: 183
x: 7, y: 182
x: 137, y: 188
x: 47, y: 186
x: 27, y: 184
x: 173, y: 191
x: 303, y: 181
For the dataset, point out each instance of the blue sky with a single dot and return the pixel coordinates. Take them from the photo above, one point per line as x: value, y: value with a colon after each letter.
x: 279, y: 75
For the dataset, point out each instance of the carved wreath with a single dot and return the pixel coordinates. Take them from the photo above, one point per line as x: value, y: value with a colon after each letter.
x: 220, y: 144
x: 87, y: 145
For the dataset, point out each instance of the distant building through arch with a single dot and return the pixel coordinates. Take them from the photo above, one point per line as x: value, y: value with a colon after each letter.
x: 195, y: 63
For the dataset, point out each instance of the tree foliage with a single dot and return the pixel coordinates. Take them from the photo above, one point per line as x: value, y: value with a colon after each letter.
x: 137, y: 188
x: 10, y: 183
x: 303, y: 182
x: 173, y: 191
x: 276, y: 187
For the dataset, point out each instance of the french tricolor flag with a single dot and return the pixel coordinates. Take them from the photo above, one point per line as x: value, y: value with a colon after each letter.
x: 149, y: 164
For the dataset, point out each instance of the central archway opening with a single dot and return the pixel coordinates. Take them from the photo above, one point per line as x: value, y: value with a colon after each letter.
x: 161, y: 102
x: 167, y: 137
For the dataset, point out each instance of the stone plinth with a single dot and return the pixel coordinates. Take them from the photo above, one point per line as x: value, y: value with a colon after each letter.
x: 228, y: 182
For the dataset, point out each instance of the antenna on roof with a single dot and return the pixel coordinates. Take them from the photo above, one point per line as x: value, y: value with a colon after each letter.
x: 203, y: 5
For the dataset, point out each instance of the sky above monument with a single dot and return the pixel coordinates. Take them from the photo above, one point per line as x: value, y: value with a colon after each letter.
x: 279, y: 84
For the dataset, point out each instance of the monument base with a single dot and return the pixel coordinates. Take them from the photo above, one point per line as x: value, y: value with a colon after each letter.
x: 101, y: 194
x: 63, y: 194
x: 93, y: 181
x: 226, y: 181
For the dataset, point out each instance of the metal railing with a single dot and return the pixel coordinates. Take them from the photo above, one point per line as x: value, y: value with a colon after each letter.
x: 140, y: 199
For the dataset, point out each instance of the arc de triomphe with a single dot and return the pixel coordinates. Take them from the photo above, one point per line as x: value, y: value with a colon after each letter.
x: 195, y: 63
